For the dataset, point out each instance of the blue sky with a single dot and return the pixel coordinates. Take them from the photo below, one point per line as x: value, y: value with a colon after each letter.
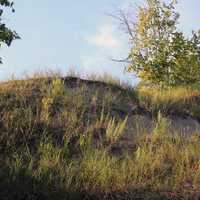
x: 74, y: 35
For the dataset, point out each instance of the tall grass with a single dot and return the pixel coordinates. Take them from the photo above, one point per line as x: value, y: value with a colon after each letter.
x: 57, y: 142
x: 178, y: 101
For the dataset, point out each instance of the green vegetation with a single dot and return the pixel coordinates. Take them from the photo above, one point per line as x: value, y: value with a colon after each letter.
x: 160, y: 53
x: 6, y: 34
x: 67, y: 138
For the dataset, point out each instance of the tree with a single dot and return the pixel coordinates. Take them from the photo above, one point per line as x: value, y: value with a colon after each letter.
x: 6, y: 34
x: 159, y: 52
x: 185, y: 59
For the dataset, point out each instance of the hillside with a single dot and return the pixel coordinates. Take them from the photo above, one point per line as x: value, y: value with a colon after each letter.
x: 69, y: 138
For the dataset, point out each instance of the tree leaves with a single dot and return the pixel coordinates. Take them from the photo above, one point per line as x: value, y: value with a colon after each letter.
x: 6, y: 34
x: 160, y: 53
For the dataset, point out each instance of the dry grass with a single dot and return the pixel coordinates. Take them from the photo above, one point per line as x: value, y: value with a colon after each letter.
x: 62, y: 142
x: 180, y: 100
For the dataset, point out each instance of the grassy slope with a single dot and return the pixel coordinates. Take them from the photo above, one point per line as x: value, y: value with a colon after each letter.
x: 69, y: 138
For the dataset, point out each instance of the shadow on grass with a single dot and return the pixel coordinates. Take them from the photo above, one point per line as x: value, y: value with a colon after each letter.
x: 25, y: 187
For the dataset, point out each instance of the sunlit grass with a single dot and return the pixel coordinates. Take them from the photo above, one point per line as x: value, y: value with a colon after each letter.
x: 181, y: 100
x: 62, y: 142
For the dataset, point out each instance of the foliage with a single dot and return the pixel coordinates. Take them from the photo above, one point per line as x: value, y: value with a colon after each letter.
x: 6, y: 34
x: 160, y: 53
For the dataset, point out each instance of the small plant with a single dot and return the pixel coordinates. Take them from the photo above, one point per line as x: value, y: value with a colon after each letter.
x: 115, y: 130
x: 160, y: 128
x: 52, y: 99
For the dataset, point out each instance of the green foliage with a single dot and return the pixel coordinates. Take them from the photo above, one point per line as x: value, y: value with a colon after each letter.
x: 6, y: 34
x: 185, y: 62
x: 160, y: 53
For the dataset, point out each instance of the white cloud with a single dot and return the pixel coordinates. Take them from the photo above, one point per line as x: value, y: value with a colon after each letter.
x: 105, y: 38
x: 108, y: 44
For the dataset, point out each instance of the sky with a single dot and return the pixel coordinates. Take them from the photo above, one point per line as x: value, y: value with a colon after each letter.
x: 76, y: 35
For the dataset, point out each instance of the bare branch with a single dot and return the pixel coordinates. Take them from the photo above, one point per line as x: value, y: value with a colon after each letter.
x: 126, y: 22
x: 126, y: 60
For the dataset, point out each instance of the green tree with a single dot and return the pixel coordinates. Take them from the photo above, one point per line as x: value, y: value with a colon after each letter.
x: 6, y: 34
x: 185, y: 59
x: 159, y: 52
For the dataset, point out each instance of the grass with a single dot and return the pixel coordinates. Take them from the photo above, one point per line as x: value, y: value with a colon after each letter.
x: 176, y: 101
x: 60, y: 141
